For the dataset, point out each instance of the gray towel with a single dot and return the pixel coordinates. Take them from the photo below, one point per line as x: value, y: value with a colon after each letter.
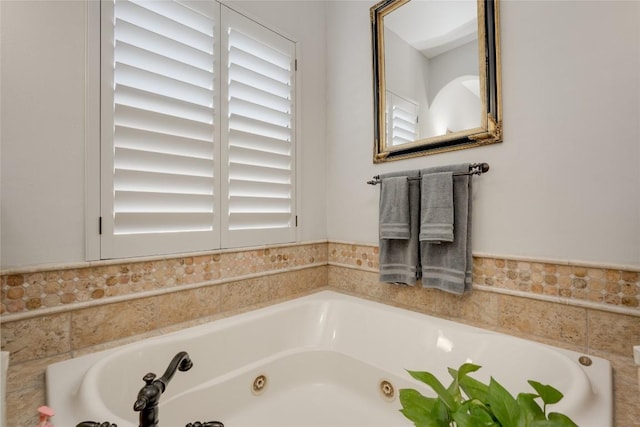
x: 436, y: 214
x: 399, y: 258
x: 449, y: 266
x: 394, y: 208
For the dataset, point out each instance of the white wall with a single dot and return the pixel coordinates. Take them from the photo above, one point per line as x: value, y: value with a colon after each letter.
x: 565, y: 183
x: 42, y: 134
x: 43, y: 48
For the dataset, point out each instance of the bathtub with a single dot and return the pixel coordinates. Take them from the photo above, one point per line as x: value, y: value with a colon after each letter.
x: 322, y: 360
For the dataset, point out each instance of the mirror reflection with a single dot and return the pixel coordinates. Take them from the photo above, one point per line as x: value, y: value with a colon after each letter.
x: 432, y: 71
x: 433, y: 80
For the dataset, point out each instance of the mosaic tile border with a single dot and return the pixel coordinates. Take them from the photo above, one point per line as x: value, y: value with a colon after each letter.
x: 33, y: 290
x: 599, y: 285
x: 606, y: 286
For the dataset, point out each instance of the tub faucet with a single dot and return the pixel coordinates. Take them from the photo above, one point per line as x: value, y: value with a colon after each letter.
x: 149, y: 395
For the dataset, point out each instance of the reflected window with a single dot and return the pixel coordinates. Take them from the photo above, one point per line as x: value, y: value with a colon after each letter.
x: 402, y: 119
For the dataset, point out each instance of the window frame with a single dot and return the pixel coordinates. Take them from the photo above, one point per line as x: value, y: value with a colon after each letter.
x: 93, y: 143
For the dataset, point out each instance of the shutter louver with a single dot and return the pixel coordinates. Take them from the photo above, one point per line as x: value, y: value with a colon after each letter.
x: 260, y: 132
x: 163, y: 126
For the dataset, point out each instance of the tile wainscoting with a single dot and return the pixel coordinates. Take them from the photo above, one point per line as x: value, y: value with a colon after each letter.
x: 54, y: 313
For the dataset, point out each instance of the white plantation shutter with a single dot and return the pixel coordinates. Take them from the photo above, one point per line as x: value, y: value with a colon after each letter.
x: 197, y: 144
x: 402, y: 116
x: 258, y: 134
x: 158, y: 111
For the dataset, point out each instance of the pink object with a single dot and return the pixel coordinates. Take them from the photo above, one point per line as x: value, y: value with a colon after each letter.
x: 45, y: 412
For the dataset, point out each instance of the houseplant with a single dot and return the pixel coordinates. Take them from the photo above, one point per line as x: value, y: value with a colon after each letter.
x: 468, y: 402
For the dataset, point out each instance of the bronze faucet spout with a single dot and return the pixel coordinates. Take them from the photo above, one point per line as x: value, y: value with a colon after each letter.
x: 149, y: 395
x: 181, y: 362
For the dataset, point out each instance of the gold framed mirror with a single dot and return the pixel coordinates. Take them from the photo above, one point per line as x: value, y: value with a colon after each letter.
x: 436, y: 75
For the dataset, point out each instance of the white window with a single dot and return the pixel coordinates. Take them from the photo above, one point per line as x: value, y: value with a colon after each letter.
x: 197, y: 129
x: 402, y: 119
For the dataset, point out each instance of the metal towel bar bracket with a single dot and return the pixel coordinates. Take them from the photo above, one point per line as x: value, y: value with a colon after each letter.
x: 474, y: 169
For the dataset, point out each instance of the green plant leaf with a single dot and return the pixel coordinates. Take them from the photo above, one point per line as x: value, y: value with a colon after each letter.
x: 562, y: 419
x: 416, y: 407
x: 468, y: 368
x: 425, y: 421
x: 454, y: 388
x: 470, y: 420
x: 548, y: 394
x: 463, y: 419
x: 529, y: 408
x: 473, y: 388
x: 555, y: 420
x: 474, y: 413
x: 504, y: 407
x: 464, y: 370
x: 419, y: 419
x: 543, y: 423
x: 409, y: 396
x: 553, y: 423
x: 440, y: 413
x: 480, y: 410
x: 458, y: 376
x: 423, y: 411
x: 430, y: 380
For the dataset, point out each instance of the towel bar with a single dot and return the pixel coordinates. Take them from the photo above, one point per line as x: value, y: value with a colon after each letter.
x: 474, y: 169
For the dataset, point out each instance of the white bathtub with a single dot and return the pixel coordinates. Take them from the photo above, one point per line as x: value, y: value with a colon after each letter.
x: 324, y: 357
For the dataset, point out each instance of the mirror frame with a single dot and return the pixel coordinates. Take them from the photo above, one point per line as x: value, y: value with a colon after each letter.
x: 490, y: 130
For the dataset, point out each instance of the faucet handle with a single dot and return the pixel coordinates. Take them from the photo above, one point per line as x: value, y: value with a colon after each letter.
x: 148, y: 395
x: 148, y: 379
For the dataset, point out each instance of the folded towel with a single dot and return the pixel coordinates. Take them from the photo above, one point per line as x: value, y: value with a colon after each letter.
x: 394, y: 208
x: 448, y: 266
x: 399, y: 258
x: 436, y: 214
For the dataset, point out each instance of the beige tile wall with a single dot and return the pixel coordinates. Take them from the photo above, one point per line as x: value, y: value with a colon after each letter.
x: 577, y: 282
x: 56, y: 313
